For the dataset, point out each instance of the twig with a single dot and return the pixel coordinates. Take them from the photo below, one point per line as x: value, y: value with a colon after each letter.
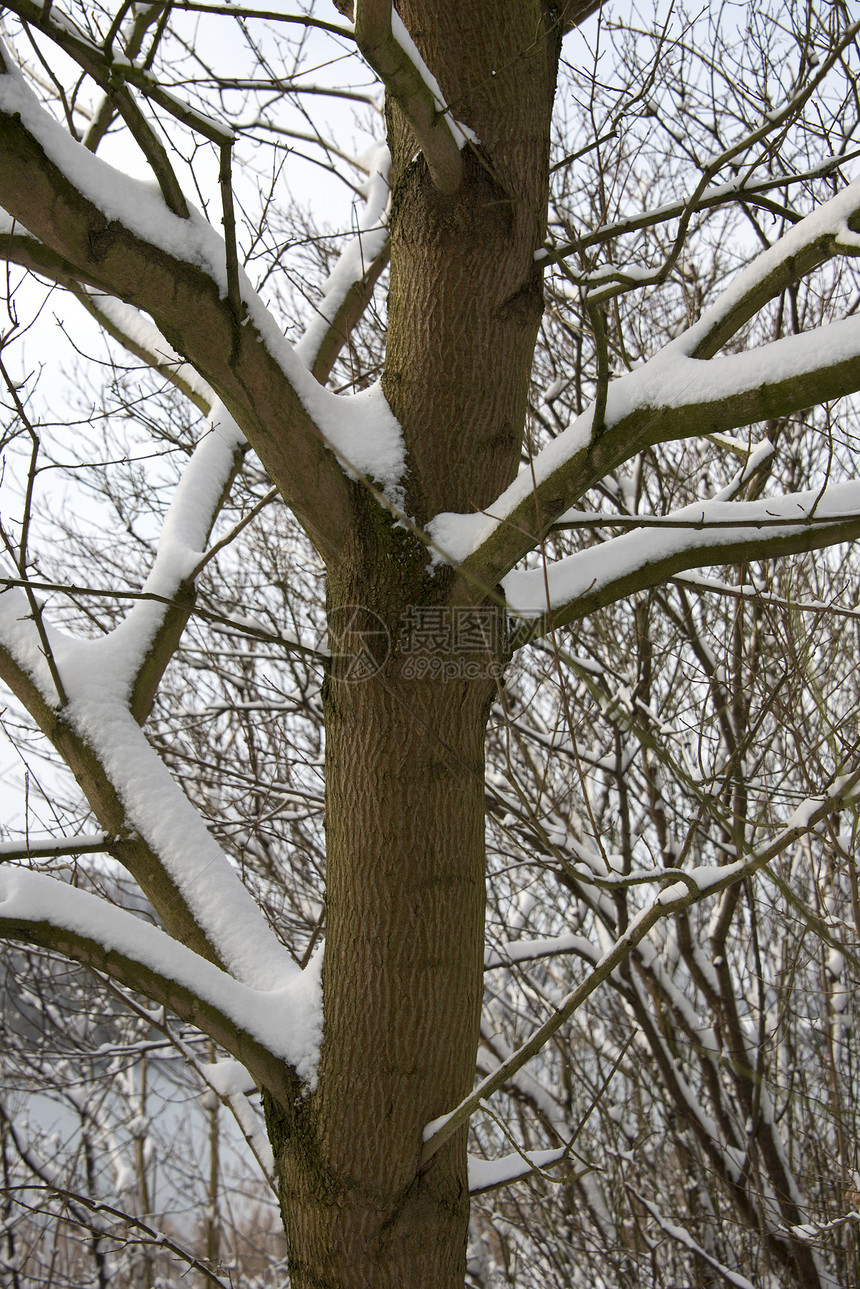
x: 234, y: 298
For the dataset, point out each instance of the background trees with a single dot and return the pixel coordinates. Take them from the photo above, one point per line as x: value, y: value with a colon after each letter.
x: 697, y: 1110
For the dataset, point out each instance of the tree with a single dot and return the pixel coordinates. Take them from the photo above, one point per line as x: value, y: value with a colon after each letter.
x: 467, y: 543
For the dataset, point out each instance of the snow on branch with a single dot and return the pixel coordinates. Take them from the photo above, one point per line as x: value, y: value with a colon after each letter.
x: 682, y: 391
x: 193, y: 509
x: 490, y: 1174
x: 391, y: 52
x: 690, y: 887
x: 105, y: 682
x: 142, y: 338
x: 518, y: 951
x: 120, y: 237
x: 828, y: 231
x: 52, y: 847
x: 261, y: 1027
x: 362, y: 260
x: 683, y: 1237
x: 158, y: 834
x: 709, y: 532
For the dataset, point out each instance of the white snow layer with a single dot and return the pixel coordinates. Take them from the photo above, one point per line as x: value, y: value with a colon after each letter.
x: 672, y: 379
x: 356, y: 257
x: 484, y: 1174
x: 140, y: 331
x: 462, y: 134
x: 360, y: 428
x: 284, y: 1019
x: 687, y: 529
x: 96, y: 682
x: 98, y: 675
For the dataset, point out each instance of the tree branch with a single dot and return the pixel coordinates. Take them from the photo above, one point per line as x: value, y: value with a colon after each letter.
x: 156, y: 834
x: 574, y: 12
x: 268, y: 1031
x: 349, y: 287
x: 413, y: 89
x: 682, y: 391
x: 123, y: 241
x: 697, y: 536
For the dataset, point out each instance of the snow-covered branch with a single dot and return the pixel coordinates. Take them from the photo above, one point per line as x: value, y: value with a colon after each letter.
x: 391, y: 52
x: 684, y: 1238
x: 108, y: 685
x: 52, y: 847
x: 491, y: 1174
x: 682, y: 391
x: 263, y: 1028
x: 713, y: 532
x: 153, y: 829
x: 140, y: 337
x: 347, y: 290
x: 123, y: 240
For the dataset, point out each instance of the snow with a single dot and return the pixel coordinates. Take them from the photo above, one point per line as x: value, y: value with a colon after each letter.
x: 686, y: 530
x: 462, y: 134
x: 669, y: 894
x: 229, y: 1078
x: 98, y: 676
x: 453, y: 537
x: 144, y: 333
x: 39, y: 846
x: 360, y: 428
x: 552, y: 391
x: 484, y: 1174
x: 357, y: 256
x: 136, y: 203
x: 762, y: 452
x: 529, y: 950
x: 233, y: 1084
x: 365, y: 436
x: 192, y: 510
x: 823, y: 224
x: 284, y: 1019
x: 672, y: 379
x: 458, y: 536
x: 683, y: 1237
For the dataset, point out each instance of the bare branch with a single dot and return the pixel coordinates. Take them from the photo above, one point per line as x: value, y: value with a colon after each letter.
x: 689, y: 891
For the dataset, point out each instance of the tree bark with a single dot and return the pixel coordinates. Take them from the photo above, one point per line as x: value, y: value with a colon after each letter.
x: 466, y: 295
x: 406, y: 702
x: 412, y: 680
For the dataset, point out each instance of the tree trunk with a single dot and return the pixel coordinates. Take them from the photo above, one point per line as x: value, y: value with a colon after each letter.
x: 406, y: 701
x: 411, y: 683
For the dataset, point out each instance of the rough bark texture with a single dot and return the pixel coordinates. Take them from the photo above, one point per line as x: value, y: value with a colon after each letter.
x: 404, y: 745
x: 406, y: 709
x: 465, y: 300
